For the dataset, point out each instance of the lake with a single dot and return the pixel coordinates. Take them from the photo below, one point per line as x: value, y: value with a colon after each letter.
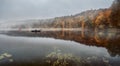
x: 60, y: 48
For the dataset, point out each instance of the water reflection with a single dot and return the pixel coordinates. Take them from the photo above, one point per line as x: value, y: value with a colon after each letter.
x: 109, y: 39
x: 74, y: 49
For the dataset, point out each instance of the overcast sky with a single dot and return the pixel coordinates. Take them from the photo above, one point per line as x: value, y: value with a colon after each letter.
x: 22, y: 9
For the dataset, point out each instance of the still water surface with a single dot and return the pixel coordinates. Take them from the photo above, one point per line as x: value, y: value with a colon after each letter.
x: 42, y: 49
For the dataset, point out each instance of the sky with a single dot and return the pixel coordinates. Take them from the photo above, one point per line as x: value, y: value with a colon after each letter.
x: 30, y: 9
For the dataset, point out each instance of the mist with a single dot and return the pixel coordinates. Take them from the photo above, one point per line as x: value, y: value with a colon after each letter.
x: 42, y: 9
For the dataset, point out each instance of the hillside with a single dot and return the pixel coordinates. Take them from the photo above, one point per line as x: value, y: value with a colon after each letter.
x: 92, y: 19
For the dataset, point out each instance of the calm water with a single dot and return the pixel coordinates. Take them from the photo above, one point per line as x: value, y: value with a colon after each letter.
x: 59, y: 49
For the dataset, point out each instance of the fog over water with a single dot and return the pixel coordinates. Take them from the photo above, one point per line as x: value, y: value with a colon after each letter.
x: 28, y: 37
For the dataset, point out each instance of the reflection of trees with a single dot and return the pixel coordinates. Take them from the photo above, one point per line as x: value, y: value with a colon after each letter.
x: 113, y: 50
x: 109, y: 40
x: 104, y: 38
